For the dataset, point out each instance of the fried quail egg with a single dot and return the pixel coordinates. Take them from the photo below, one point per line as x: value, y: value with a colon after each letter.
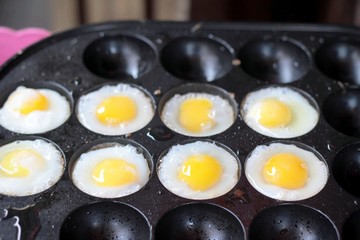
x: 111, y: 172
x: 286, y: 171
x: 279, y: 112
x: 115, y: 110
x: 198, y: 170
x: 30, y: 111
x: 198, y: 114
x: 28, y: 167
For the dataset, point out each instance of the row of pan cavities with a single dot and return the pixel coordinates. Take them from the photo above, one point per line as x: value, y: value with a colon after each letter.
x: 200, y: 220
x: 199, y: 58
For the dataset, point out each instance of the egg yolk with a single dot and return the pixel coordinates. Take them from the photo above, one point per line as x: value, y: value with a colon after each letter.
x: 200, y: 172
x: 37, y: 102
x: 286, y: 170
x: 273, y: 113
x: 114, y: 172
x: 195, y: 114
x: 116, y: 110
x: 11, y: 164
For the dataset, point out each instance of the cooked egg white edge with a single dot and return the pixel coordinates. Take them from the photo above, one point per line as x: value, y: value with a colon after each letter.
x: 36, y: 121
x: 317, y: 170
x: 222, y: 111
x: 304, y: 115
x: 83, y: 167
x: 171, y: 163
x: 38, y: 181
x: 87, y: 104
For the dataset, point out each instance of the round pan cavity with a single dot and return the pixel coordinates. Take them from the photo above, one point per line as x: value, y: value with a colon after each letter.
x: 176, y: 157
x: 303, y: 109
x: 292, y: 221
x: 41, y: 177
x: 120, y: 56
x: 284, y: 185
x: 46, y: 124
x: 100, y: 144
x: 346, y: 168
x: 197, y: 58
x: 340, y: 60
x: 342, y: 111
x: 199, y: 221
x: 106, y: 220
x: 88, y: 106
x: 196, y: 90
x: 275, y: 60
x: 351, y: 228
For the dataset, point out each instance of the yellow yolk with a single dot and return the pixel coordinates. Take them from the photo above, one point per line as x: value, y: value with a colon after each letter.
x: 37, y: 103
x: 200, y: 172
x: 116, y: 110
x: 114, y: 172
x: 286, y: 170
x: 195, y: 114
x: 12, y: 163
x: 273, y: 113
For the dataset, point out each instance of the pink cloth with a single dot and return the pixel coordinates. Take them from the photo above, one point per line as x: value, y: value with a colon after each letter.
x: 12, y: 41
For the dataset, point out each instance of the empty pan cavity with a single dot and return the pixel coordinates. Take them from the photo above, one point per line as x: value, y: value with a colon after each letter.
x: 346, y: 168
x: 292, y: 221
x: 106, y: 220
x: 199, y: 221
x: 342, y: 111
x: 197, y: 58
x: 120, y: 56
x: 275, y: 60
x: 340, y: 60
x: 351, y: 228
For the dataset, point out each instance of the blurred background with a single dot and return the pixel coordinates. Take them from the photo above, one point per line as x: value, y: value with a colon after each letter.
x: 59, y: 15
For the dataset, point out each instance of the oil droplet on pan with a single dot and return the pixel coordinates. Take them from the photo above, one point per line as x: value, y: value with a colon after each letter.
x: 160, y: 133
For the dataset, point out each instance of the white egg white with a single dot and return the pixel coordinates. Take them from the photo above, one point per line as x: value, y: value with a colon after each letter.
x: 83, y: 167
x: 36, y: 121
x: 304, y: 115
x: 87, y: 106
x: 170, y: 165
x: 222, y: 113
x: 41, y: 177
x: 317, y: 172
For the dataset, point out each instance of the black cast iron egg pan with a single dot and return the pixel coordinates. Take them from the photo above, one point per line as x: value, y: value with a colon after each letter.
x: 238, y: 58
